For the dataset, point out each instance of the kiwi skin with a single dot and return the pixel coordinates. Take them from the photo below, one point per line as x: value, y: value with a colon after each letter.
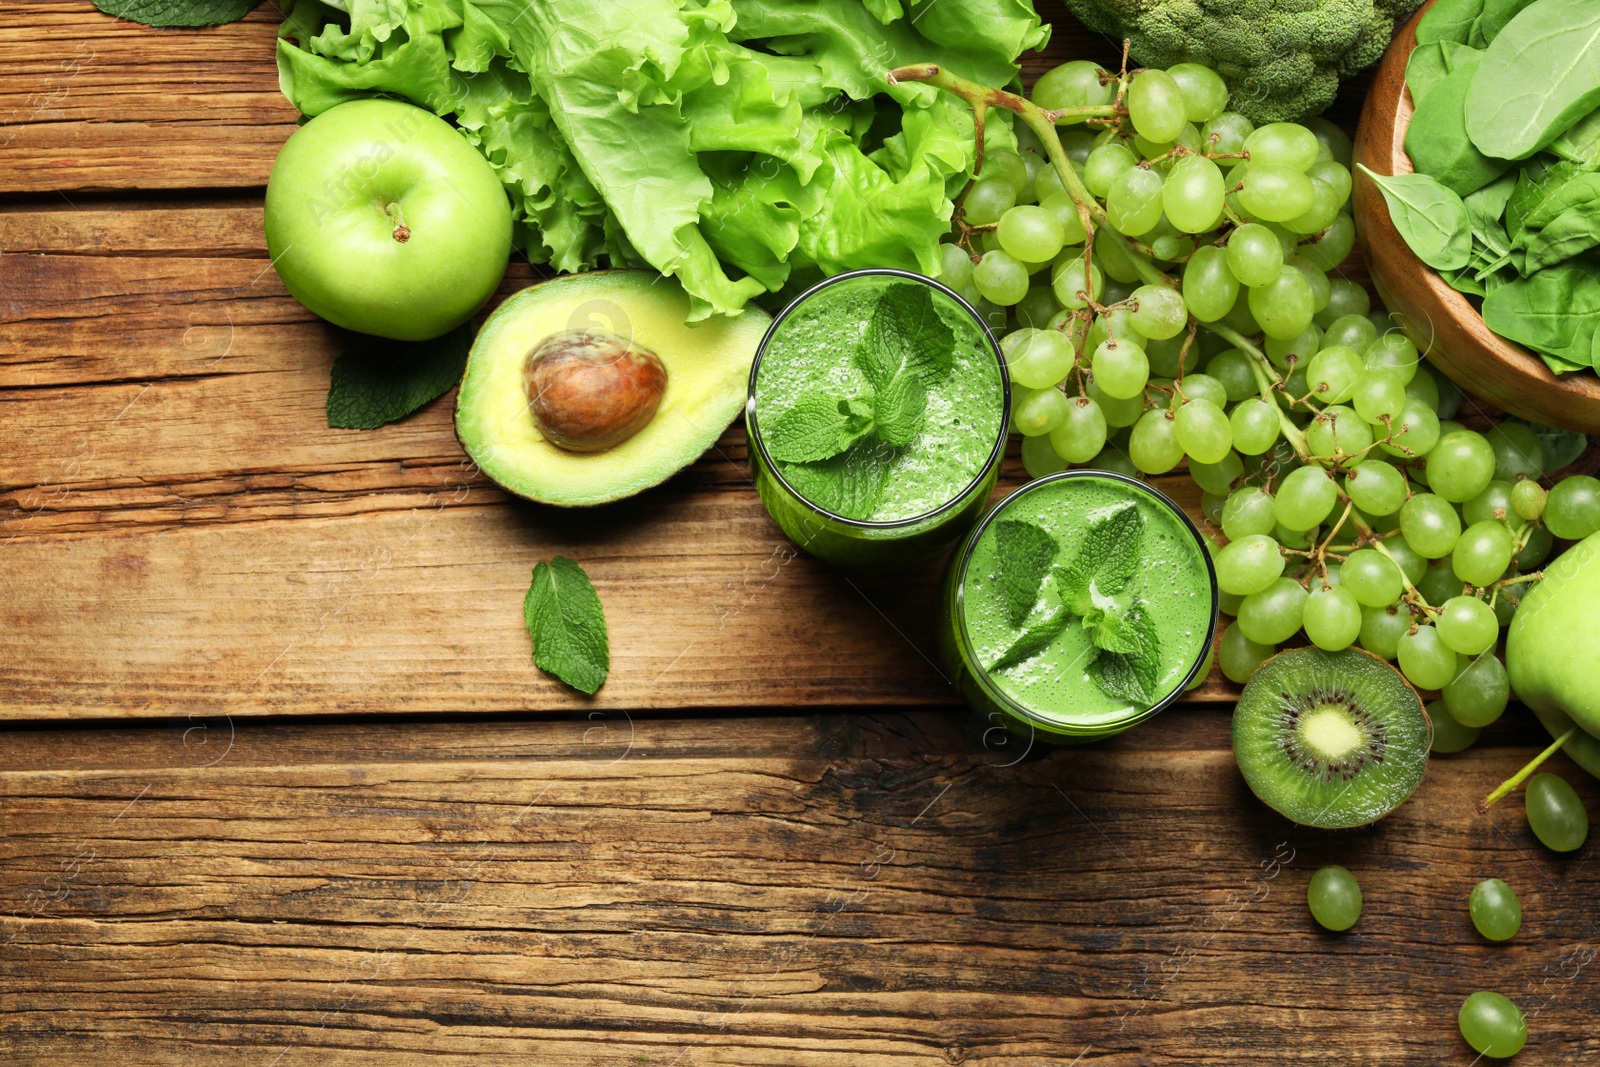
x: 1383, y: 743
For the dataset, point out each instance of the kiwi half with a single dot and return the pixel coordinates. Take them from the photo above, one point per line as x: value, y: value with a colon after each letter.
x: 1331, y: 739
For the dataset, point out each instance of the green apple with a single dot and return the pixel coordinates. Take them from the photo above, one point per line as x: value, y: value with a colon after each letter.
x: 1551, y: 651
x: 383, y: 219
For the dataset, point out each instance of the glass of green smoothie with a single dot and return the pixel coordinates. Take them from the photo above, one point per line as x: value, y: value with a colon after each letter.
x: 1082, y: 605
x: 877, y: 418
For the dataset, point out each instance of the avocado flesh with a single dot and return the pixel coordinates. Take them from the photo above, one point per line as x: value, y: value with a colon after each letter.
x: 708, y: 375
x: 1553, y: 653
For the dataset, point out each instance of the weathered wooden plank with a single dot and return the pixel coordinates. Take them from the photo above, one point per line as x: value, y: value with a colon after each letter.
x: 862, y: 891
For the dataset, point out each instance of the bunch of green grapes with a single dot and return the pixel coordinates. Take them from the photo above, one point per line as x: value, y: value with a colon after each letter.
x: 1157, y: 268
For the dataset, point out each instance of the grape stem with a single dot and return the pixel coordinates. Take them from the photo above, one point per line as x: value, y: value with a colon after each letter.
x: 1522, y: 776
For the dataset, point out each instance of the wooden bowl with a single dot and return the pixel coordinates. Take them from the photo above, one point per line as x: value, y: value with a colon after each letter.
x: 1475, y: 358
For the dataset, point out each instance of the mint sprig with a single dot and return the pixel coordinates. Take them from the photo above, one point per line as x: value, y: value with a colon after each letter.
x: 178, y: 12
x: 378, y: 381
x: 837, y: 450
x: 567, y: 624
x: 1127, y: 652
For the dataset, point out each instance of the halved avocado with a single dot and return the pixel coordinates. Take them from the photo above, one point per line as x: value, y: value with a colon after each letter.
x: 707, y: 375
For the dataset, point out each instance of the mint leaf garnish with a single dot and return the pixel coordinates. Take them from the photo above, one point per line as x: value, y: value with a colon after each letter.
x: 1032, y: 641
x: 379, y: 381
x: 1023, y: 553
x: 567, y: 624
x: 816, y: 428
x: 906, y: 330
x: 899, y: 408
x: 178, y: 12
x: 1129, y: 663
x: 1107, y: 557
x: 849, y: 484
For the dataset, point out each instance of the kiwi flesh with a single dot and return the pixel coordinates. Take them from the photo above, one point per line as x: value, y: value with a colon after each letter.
x: 1331, y: 739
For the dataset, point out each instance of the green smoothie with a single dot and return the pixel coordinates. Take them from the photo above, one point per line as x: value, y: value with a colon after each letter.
x: 1080, y: 606
x: 877, y: 415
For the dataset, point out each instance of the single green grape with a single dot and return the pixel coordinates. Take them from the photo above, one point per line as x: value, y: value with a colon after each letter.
x: 1121, y: 368
x: 1424, y: 387
x: 1379, y: 395
x: 1332, y: 617
x: 1004, y: 163
x: 1038, y: 308
x: 955, y: 266
x: 1239, y: 657
x: 1430, y: 525
x: 1041, y: 359
x: 1556, y: 813
x: 1321, y: 288
x: 1517, y: 452
x: 1337, y: 177
x: 987, y: 200
x: 1535, y: 550
x: 1282, y: 143
x: 1449, y: 735
x: 1275, y: 193
x: 1159, y: 313
x: 1334, y: 246
x: 1296, y: 539
x: 1249, y: 564
x: 1039, y: 412
x: 1296, y: 350
x: 1273, y: 615
x: 1371, y: 577
x: 1572, y: 508
x: 1116, y: 461
x: 1338, y: 432
x: 1325, y: 207
x: 1395, y: 351
x: 1203, y: 431
x: 1460, y: 465
x: 1001, y: 278
x: 1254, y: 254
x: 1192, y: 195
x: 1248, y: 511
x: 1305, y: 497
x: 1065, y: 209
x: 1209, y: 287
x: 1284, y: 306
x: 1495, y: 910
x: 1439, y: 582
x: 1030, y: 233
x: 1156, y: 106
x: 1072, y: 85
x: 1068, y: 279
x: 1483, y: 552
x: 1333, y: 372
x: 1335, y: 142
x: 1334, y: 896
x: 1382, y: 628
x: 1492, y: 1025
x: 1256, y: 426
x: 1105, y: 165
x: 1217, y: 478
x: 1134, y: 203
x: 1119, y: 413
x: 1205, y: 94
x: 1478, y: 694
x: 1467, y: 625
x: 1414, y: 433
x: 1528, y: 499
x: 1039, y: 458
x: 1205, y: 387
x: 1233, y: 369
x: 1376, y: 488
x: 1081, y: 432
x: 1412, y: 565
x: 1226, y: 134
x: 1427, y: 661
x: 1350, y: 331
x: 1153, y: 446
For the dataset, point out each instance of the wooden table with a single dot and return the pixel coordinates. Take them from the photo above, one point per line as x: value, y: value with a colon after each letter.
x: 318, y: 807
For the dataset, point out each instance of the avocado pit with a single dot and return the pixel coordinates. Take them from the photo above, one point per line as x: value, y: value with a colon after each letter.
x: 591, y: 390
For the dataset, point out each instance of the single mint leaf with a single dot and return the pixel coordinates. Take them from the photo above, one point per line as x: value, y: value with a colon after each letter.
x: 1034, y: 640
x: 178, y: 12
x: 906, y: 330
x: 899, y: 409
x: 567, y: 624
x: 849, y: 484
x: 816, y: 428
x: 1129, y: 664
x: 1107, y: 556
x: 1023, y: 555
x: 379, y: 381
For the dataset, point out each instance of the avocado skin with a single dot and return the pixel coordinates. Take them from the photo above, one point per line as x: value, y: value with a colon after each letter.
x: 1553, y: 650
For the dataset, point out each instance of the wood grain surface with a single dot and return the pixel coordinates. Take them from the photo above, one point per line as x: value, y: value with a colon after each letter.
x: 862, y: 890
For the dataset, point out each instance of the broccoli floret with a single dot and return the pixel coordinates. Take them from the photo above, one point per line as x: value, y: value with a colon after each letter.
x: 1282, y: 59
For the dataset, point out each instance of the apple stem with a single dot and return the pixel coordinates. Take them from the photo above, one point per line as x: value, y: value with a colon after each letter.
x: 402, y: 232
x: 1521, y: 776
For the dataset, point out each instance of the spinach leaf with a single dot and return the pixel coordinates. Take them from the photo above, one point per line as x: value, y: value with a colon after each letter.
x: 1553, y: 311
x: 1580, y: 142
x: 1577, y: 190
x: 1431, y: 218
x: 1496, y: 15
x: 1436, y: 138
x: 1430, y: 64
x: 1571, y: 233
x: 1541, y: 74
x: 1449, y: 20
x: 1488, y: 204
x: 1537, y: 184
